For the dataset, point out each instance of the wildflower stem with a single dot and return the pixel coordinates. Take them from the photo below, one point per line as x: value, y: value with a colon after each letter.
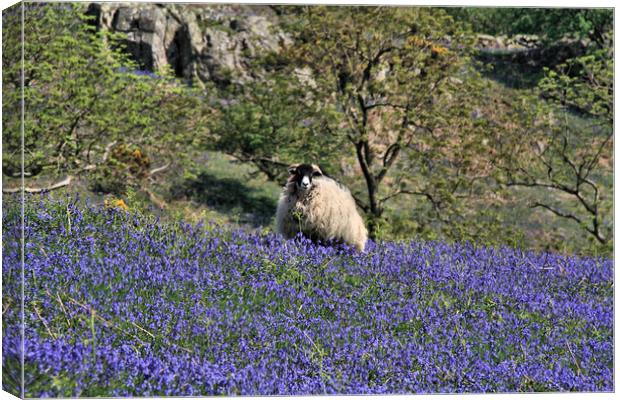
x: 68, y: 219
x: 93, y: 333
x: 111, y: 324
x: 574, y: 358
x: 64, y: 310
x: 143, y: 330
x: 107, y: 323
x: 47, y: 328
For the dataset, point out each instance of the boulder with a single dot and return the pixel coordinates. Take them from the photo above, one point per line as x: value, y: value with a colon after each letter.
x: 198, y: 42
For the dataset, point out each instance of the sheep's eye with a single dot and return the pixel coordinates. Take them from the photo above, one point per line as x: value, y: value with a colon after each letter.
x: 317, y: 174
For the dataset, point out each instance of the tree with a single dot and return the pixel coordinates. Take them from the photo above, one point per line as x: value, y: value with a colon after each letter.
x: 555, y: 142
x: 565, y: 146
x: 83, y: 97
x: 396, y: 77
x: 385, y: 94
x: 271, y: 123
x: 550, y: 23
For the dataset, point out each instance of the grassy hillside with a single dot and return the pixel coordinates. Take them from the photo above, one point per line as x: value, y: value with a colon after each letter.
x: 218, y: 189
x: 226, y: 190
x: 150, y: 139
x: 120, y: 304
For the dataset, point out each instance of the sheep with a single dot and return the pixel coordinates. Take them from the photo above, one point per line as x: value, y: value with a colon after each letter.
x: 318, y: 207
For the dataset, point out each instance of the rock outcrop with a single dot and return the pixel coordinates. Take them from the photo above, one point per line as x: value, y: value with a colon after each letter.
x: 505, y: 43
x: 198, y: 42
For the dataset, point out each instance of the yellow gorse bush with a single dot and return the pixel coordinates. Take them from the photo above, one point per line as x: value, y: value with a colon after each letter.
x: 421, y: 42
x: 116, y: 203
x: 439, y: 49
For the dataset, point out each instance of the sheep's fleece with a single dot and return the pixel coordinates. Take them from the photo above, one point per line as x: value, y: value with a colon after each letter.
x: 325, y: 212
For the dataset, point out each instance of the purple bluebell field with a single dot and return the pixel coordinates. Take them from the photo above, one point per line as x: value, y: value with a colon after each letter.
x: 118, y: 304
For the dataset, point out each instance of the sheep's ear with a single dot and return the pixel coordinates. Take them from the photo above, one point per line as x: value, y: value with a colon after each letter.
x: 292, y: 168
x: 318, y: 168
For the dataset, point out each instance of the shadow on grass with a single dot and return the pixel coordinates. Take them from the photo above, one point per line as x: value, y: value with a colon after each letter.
x: 513, y: 70
x: 523, y: 68
x: 231, y: 196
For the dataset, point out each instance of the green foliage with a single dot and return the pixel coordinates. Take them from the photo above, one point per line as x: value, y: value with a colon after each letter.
x: 552, y: 145
x: 271, y: 123
x: 388, y: 89
x: 401, y: 83
x: 219, y: 188
x: 549, y: 23
x: 125, y: 167
x: 584, y: 84
x: 564, y: 147
x: 386, y: 99
x: 82, y: 96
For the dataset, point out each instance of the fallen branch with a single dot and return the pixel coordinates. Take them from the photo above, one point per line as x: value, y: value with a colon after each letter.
x: 142, y: 329
x: 159, y: 169
x: 108, y: 149
x: 57, y: 185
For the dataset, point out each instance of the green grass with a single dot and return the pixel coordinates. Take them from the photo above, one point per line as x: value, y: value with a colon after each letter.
x: 223, y: 190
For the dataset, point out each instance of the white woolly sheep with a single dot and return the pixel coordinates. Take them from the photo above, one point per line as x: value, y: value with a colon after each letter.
x: 318, y: 207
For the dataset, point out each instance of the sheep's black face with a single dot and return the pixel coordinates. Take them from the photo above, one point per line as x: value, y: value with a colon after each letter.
x: 303, y: 174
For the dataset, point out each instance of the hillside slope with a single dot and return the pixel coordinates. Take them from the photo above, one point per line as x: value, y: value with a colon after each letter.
x: 118, y: 304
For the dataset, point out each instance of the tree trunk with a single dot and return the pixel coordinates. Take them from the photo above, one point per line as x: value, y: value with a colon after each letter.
x: 375, y: 211
x: 374, y: 223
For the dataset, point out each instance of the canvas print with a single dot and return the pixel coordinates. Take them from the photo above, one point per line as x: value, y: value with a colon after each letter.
x: 232, y: 199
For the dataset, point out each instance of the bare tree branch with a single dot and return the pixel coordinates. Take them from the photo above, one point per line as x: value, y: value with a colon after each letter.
x: 402, y: 191
x: 159, y: 169
x: 557, y: 212
x: 360, y: 203
x: 108, y: 149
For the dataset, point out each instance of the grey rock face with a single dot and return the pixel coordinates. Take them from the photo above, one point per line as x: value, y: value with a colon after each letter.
x: 199, y: 42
